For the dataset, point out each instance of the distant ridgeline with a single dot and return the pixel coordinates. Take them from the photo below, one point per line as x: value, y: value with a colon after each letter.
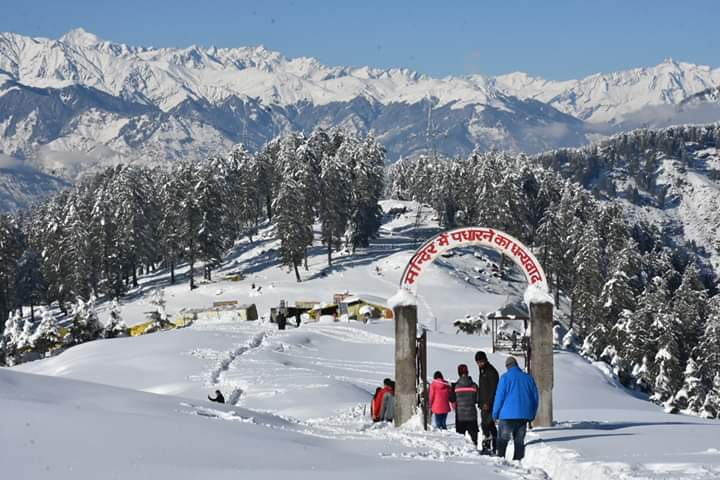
x: 638, y: 296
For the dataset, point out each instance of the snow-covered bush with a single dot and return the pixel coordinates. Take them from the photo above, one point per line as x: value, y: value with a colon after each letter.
x: 47, y: 335
x: 85, y: 325
x: 116, y: 327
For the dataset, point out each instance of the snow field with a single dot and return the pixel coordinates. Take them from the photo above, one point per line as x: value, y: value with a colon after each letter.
x: 299, y: 398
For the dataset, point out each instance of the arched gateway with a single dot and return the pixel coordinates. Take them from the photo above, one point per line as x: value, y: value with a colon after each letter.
x: 470, y: 237
x: 537, y: 298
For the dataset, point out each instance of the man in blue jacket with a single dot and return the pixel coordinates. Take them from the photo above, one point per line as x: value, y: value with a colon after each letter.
x: 516, y: 402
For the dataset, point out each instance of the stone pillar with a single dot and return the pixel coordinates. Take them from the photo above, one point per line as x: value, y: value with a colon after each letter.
x: 541, y: 359
x: 405, y: 363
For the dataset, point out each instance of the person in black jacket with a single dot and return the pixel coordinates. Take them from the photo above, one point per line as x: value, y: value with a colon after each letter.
x: 487, y: 385
x: 464, y: 397
x: 218, y: 397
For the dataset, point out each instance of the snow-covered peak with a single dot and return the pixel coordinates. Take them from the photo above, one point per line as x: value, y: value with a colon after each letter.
x: 80, y: 37
x: 617, y: 96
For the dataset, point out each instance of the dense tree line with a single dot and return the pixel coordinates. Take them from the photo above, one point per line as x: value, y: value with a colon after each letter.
x: 636, y: 155
x: 96, y: 238
x: 635, y: 301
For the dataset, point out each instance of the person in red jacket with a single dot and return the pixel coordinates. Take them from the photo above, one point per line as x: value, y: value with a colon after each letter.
x: 377, y: 401
x: 440, y: 400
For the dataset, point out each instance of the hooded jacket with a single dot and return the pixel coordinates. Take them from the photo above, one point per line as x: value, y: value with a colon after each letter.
x: 439, y: 396
x: 516, y: 397
x: 377, y: 403
x: 464, y: 395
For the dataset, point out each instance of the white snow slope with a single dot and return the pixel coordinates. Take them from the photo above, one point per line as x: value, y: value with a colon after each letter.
x: 298, y: 398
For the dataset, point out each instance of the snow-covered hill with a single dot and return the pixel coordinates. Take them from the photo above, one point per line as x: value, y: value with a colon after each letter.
x: 668, y: 177
x: 298, y: 397
x: 21, y: 187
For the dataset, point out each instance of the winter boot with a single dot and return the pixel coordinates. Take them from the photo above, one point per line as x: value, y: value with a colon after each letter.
x: 486, y: 446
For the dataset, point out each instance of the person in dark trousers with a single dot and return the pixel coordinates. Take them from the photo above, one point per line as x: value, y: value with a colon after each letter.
x: 464, y: 397
x: 297, y: 319
x: 281, y: 320
x: 218, y: 397
x: 516, y: 403
x: 487, y: 385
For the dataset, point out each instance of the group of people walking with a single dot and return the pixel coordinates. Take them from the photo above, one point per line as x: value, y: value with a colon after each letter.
x: 510, y: 400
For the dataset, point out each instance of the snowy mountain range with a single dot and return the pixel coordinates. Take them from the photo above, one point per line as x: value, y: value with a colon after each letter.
x: 79, y: 101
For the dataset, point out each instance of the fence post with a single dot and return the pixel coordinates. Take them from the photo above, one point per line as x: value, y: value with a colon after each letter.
x: 542, y: 364
x: 405, y: 362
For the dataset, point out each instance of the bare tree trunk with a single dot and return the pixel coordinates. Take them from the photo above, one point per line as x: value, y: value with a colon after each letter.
x: 305, y: 259
x: 297, y: 273
x: 329, y: 254
x: 172, y: 271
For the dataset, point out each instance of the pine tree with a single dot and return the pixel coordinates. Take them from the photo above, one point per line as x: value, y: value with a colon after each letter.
x: 116, y: 326
x: 588, y: 283
x: 668, y: 377
x: 691, y: 396
x: 367, y: 159
x: 158, y: 315
x: 24, y: 341
x: 711, y: 406
x: 47, y: 335
x: 29, y: 282
x: 707, y: 353
x: 85, y: 325
x: 294, y: 231
x: 11, y: 248
x: 335, y: 185
x: 689, y: 307
x: 11, y: 338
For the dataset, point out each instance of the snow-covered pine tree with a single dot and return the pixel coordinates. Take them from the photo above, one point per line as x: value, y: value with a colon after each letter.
x: 116, y: 326
x: 444, y: 193
x: 215, y: 228
x: 293, y: 228
x: 367, y: 159
x: 47, y: 335
x: 668, y: 378
x: 707, y: 355
x: 24, y: 341
x: 29, y: 282
x: 334, y: 208
x: 11, y: 338
x: 158, y: 314
x: 85, y: 325
x: 172, y: 191
x: 584, y: 294
x: 711, y: 406
x: 11, y: 248
x: 691, y: 396
x: 137, y: 217
x: 689, y: 306
x: 242, y: 174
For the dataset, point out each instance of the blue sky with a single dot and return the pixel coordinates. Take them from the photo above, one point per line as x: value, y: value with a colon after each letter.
x: 554, y: 39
